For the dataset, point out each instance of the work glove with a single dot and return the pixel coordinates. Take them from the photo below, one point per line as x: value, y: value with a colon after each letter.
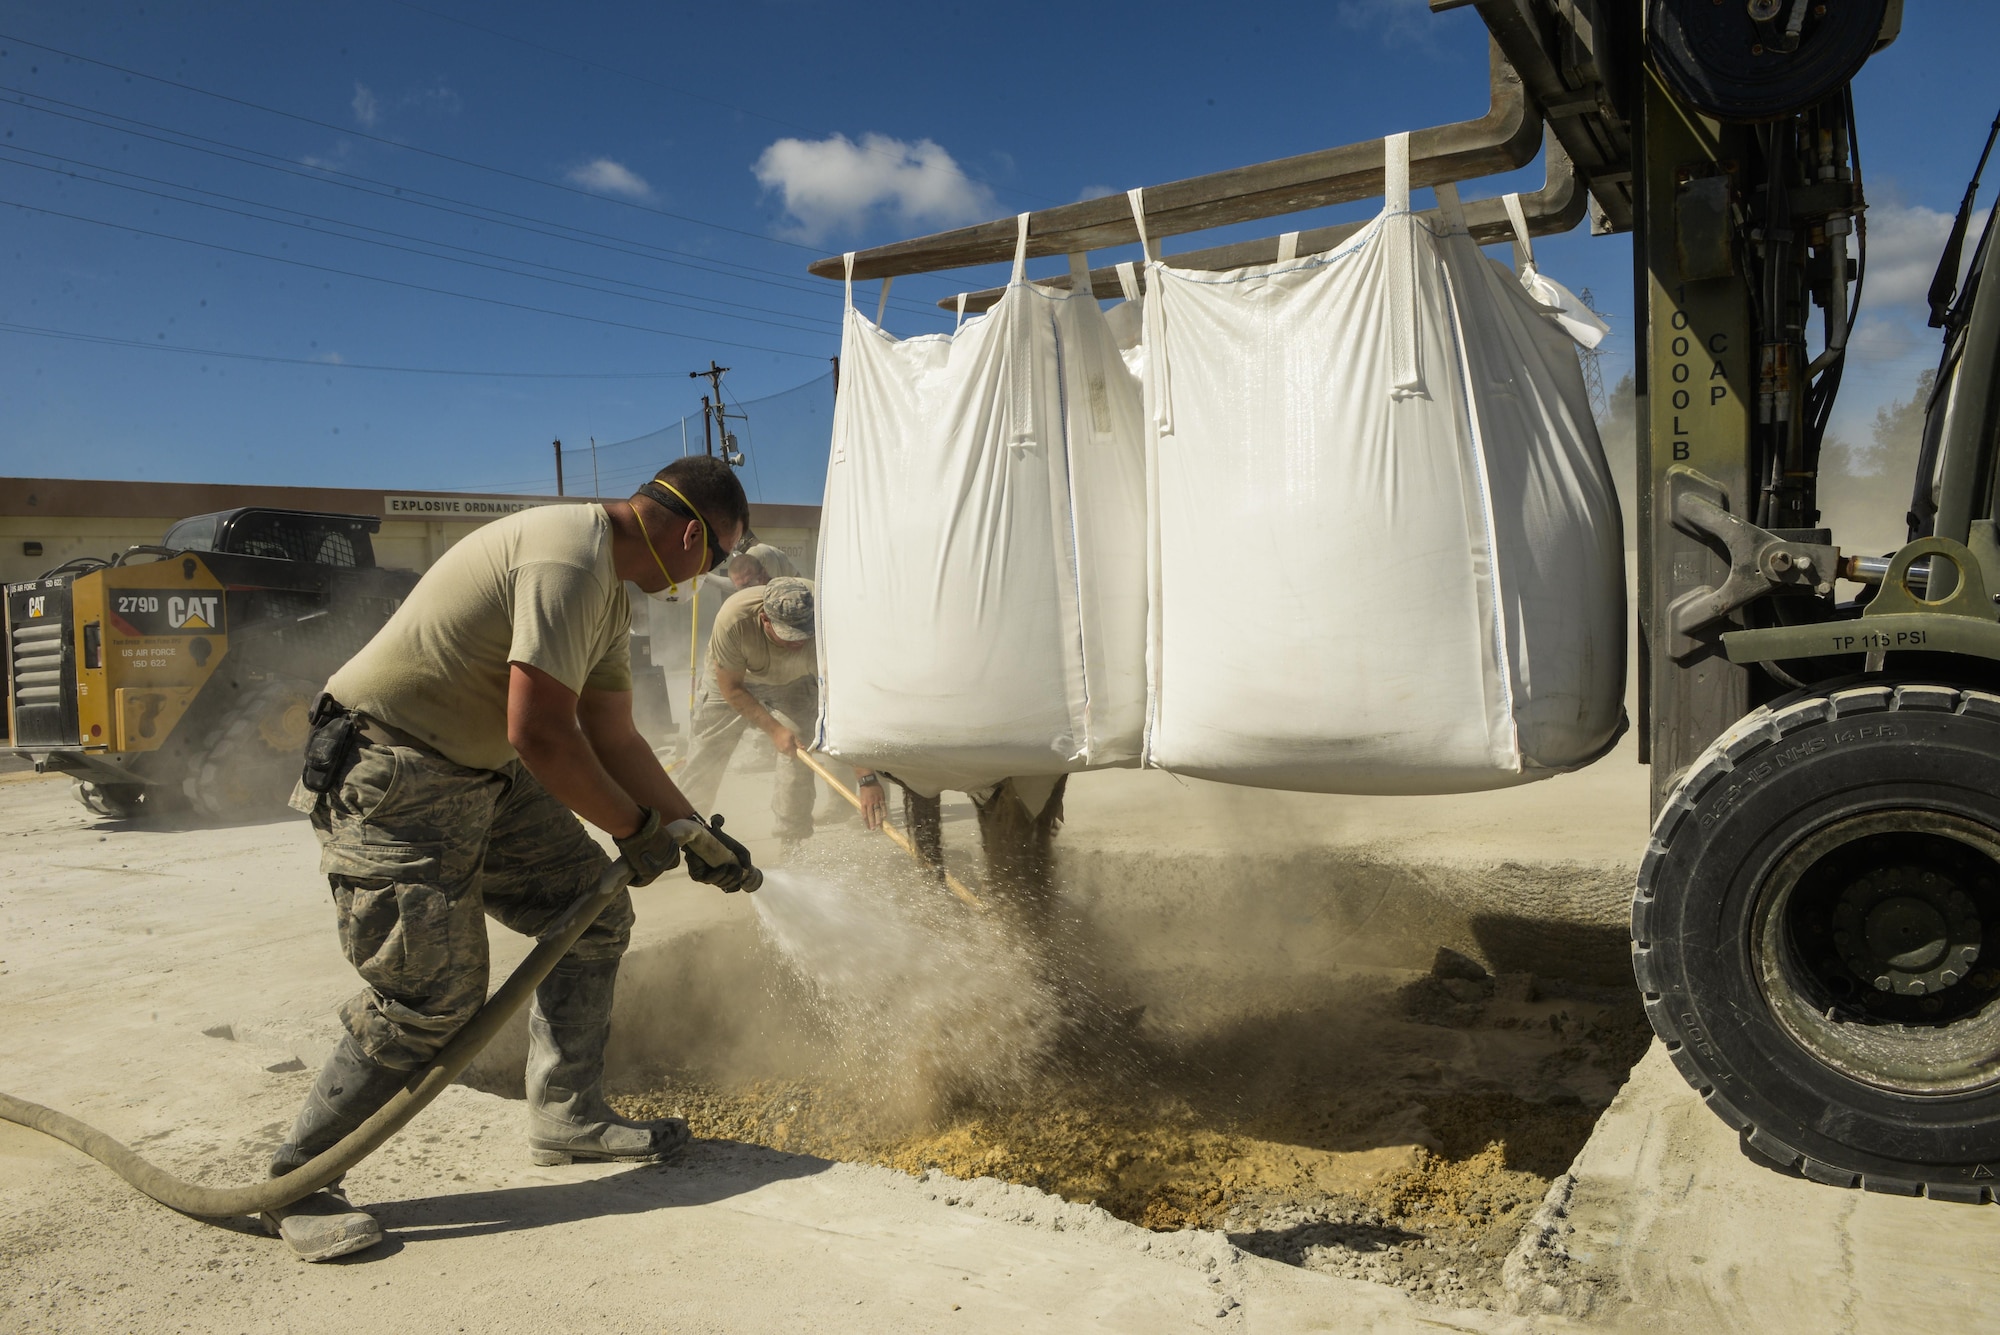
x: 651, y: 849
x: 713, y: 858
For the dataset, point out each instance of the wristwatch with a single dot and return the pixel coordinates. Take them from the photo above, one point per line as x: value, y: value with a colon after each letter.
x: 869, y: 781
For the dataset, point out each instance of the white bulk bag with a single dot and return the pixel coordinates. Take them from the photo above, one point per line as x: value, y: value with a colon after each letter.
x: 1387, y: 554
x: 982, y: 565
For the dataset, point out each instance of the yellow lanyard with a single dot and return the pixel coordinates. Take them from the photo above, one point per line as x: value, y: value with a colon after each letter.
x: 694, y: 606
x: 674, y: 585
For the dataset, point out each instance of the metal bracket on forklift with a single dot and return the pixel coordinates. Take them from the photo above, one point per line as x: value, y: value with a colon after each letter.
x: 1955, y: 614
x: 1760, y: 561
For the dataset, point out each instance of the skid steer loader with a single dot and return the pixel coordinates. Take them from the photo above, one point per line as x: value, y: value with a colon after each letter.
x: 182, y: 672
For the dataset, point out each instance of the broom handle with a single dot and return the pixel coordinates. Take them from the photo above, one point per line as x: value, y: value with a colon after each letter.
x: 952, y: 883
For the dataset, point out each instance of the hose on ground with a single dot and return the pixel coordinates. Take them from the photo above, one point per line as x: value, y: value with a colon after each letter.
x: 424, y: 1085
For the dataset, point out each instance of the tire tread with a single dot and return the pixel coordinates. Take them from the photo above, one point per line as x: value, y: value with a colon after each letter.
x: 1761, y: 727
x: 233, y: 745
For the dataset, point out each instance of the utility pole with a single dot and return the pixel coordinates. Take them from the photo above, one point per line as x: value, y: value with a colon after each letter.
x: 559, y: 490
x: 709, y: 410
x: 715, y: 417
x: 596, y: 487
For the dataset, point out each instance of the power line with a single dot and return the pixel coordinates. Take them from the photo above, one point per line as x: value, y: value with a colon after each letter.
x: 408, y: 148
x: 408, y: 250
x: 653, y: 440
x: 398, y: 282
x: 318, y: 365
x: 682, y: 92
x: 485, y: 213
x: 382, y: 231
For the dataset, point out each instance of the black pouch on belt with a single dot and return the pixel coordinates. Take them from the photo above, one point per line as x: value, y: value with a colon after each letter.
x: 333, y: 730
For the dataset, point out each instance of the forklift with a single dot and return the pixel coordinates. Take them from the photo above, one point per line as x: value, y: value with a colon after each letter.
x: 1816, y: 923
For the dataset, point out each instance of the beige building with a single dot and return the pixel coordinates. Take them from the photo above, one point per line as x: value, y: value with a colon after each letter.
x: 47, y: 521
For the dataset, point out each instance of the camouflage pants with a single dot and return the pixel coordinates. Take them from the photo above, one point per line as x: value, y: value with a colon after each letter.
x: 716, y: 728
x: 1017, y: 839
x: 417, y: 850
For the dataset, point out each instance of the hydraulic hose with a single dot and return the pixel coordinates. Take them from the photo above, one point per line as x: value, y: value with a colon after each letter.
x: 424, y: 1085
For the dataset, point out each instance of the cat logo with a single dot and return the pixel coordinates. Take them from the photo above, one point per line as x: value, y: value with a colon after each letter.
x: 38, y: 606
x: 192, y: 613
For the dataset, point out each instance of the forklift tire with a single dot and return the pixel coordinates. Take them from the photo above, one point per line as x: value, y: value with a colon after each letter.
x: 1816, y: 933
x: 119, y: 801
x: 249, y: 767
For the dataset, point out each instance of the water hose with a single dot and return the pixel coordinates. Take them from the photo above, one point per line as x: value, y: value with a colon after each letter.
x: 896, y: 836
x: 424, y: 1085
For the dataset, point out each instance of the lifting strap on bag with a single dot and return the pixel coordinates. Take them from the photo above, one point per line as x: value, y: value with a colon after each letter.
x: 1450, y: 208
x: 1524, y: 246
x: 1128, y: 280
x: 1396, y: 173
x: 1137, y: 199
x: 1400, y: 234
x: 1288, y: 247
x: 1021, y: 376
x: 882, y: 306
x: 1157, y: 369
x: 839, y: 440
x: 961, y: 312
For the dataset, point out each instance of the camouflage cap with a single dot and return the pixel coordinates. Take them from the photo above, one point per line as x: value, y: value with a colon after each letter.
x: 788, y: 607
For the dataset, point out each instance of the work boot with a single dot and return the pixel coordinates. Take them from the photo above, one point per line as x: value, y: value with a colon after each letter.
x: 568, y: 1119
x: 349, y: 1090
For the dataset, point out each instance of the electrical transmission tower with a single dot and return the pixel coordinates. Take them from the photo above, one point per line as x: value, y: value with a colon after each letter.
x: 1593, y: 370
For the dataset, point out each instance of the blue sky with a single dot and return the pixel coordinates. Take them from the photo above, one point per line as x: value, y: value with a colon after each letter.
x: 610, y: 198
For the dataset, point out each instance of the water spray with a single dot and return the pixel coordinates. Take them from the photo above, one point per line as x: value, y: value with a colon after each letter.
x: 896, y: 836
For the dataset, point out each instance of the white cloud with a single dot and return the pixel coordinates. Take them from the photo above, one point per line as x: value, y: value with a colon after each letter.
x: 1905, y: 242
x: 1395, y: 22
x: 1889, y: 334
x: 339, y: 159
x: 436, y: 98
x: 836, y: 184
x: 439, y: 97
x: 1892, y: 343
x: 1097, y: 192
x: 610, y: 178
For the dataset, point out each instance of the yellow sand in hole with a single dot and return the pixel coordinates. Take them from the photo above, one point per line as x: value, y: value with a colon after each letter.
x: 1162, y: 1165
x: 1406, y: 1140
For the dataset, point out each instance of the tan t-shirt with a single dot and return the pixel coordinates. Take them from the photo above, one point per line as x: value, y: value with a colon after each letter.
x: 739, y: 644
x: 538, y: 588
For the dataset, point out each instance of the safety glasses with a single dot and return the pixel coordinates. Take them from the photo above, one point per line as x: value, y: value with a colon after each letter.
x: 674, y: 503
x: 717, y: 554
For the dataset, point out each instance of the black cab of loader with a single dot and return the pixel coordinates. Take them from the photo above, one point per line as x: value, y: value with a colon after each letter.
x: 306, y: 536
x: 183, y: 671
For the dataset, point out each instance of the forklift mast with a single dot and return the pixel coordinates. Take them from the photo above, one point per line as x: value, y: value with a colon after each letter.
x: 1816, y: 923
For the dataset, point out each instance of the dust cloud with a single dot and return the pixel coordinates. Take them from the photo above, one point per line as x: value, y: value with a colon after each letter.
x: 930, y: 1006
x: 1397, y: 1124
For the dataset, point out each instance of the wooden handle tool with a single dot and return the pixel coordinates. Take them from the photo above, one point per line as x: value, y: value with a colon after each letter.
x: 952, y: 883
